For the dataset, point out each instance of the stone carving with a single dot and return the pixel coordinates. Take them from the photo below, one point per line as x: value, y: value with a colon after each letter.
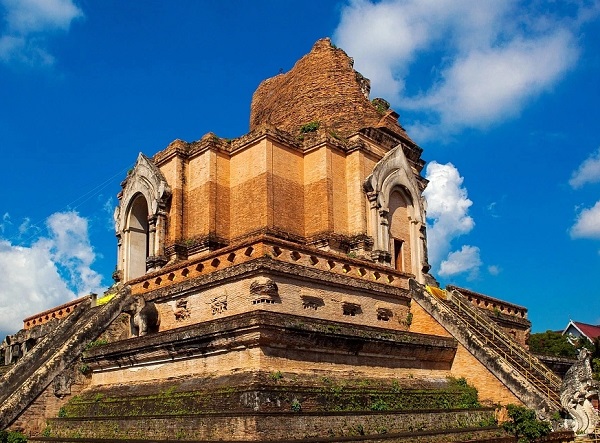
x: 313, y: 303
x: 218, y: 304
x: 351, y: 309
x: 384, y: 314
x: 264, y: 290
x: 15, y: 346
x: 181, y: 310
x: 62, y: 384
x: 143, y: 316
x: 576, y: 391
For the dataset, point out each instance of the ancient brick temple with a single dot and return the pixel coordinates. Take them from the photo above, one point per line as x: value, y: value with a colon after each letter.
x: 276, y: 287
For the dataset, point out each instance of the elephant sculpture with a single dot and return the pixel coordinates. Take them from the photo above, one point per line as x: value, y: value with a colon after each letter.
x: 143, y: 316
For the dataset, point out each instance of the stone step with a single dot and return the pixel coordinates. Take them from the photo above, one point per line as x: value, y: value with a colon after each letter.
x: 269, y: 426
x: 482, y: 435
x: 466, y: 435
x: 269, y: 392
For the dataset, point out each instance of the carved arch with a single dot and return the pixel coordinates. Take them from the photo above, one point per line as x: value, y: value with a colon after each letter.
x: 393, y: 174
x: 145, y: 183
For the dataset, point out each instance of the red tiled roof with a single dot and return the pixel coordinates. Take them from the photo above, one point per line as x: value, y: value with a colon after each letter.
x: 591, y: 331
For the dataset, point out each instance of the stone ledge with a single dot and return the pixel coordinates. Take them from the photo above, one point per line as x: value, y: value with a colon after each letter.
x: 278, y: 334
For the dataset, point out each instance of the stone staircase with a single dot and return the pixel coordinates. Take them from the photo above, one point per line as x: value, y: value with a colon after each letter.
x: 56, y: 351
x: 32, y: 360
x: 528, y: 378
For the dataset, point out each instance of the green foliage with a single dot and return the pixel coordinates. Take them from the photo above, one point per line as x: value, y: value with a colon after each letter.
x: 310, y: 127
x: 363, y: 395
x: 551, y: 343
x: 524, y: 425
x: 95, y: 344
x: 468, y: 399
x: 488, y: 422
x: 84, y: 368
x: 357, y: 430
x: 275, y: 376
x: 380, y: 105
x: 296, y: 405
x: 379, y: 405
x: 409, y: 319
x: 62, y: 412
x: 12, y: 437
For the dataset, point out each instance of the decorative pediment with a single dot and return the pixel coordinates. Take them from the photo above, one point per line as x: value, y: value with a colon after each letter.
x: 146, y: 179
x: 391, y: 171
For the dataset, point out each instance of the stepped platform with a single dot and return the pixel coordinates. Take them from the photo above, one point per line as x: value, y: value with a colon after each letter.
x: 275, y: 406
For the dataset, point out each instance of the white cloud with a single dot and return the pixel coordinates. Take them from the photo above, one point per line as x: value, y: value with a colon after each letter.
x: 53, y: 270
x: 587, y: 224
x: 447, y: 209
x: 588, y: 171
x: 458, y: 262
x: 5, y: 222
x: 494, y: 269
x: 28, y: 22
x: 484, y: 57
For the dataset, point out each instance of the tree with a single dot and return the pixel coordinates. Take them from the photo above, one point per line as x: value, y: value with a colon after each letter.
x: 524, y: 425
x: 551, y: 343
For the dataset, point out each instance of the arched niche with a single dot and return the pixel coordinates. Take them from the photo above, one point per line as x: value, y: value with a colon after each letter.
x: 396, y: 215
x: 136, y: 241
x: 399, y: 217
x: 141, y: 220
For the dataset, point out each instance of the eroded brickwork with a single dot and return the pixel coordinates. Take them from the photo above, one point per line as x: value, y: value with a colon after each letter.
x: 336, y: 95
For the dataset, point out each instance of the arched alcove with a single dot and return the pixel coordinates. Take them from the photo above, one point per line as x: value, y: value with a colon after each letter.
x: 136, y: 238
x: 140, y: 220
x: 400, y: 230
x: 396, y: 215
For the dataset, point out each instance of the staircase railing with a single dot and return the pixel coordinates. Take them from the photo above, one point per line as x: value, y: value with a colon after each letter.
x: 525, y: 363
x: 515, y: 349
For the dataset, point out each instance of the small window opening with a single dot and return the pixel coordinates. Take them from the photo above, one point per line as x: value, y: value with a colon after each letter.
x: 398, y: 255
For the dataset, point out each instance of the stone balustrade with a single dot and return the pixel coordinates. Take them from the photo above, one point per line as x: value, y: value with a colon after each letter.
x: 492, y: 304
x: 277, y: 250
x: 57, y: 312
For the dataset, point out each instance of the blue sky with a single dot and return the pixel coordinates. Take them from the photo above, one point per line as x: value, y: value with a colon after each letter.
x: 503, y: 96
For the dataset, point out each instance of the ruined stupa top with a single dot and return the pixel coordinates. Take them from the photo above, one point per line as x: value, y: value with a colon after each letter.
x: 321, y: 87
